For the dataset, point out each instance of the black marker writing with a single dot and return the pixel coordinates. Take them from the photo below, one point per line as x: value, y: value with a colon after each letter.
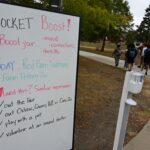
x: 14, y: 132
x: 16, y: 23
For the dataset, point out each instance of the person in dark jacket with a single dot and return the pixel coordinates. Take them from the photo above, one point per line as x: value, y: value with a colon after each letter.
x: 147, y: 58
x: 131, y: 54
x: 117, y: 53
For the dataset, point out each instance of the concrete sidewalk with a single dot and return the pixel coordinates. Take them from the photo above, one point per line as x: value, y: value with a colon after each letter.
x: 109, y: 61
x: 101, y: 58
x: 142, y: 140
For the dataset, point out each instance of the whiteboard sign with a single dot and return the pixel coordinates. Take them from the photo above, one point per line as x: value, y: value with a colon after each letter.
x: 38, y: 63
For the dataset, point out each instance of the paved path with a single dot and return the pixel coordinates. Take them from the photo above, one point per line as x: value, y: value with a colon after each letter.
x: 101, y: 58
x: 142, y: 139
x: 109, y: 61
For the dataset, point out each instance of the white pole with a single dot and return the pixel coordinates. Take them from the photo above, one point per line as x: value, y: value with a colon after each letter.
x: 133, y: 84
x: 125, y: 95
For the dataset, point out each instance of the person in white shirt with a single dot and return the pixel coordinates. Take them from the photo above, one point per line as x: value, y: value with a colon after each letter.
x: 142, y: 56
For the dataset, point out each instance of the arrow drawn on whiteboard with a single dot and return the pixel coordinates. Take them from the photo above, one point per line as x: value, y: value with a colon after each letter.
x: 1, y: 91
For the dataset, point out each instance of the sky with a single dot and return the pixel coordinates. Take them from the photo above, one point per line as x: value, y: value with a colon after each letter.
x: 137, y: 8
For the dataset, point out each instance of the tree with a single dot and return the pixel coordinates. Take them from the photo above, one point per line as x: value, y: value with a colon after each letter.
x: 94, y: 17
x: 99, y: 18
x: 123, y: 19
x: 120, y: 21
x: 143, y: 30
x: 131, y: 36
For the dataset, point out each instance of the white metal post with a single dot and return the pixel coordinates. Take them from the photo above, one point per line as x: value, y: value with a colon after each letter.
x: 133, y: 84
x: 121, y: 116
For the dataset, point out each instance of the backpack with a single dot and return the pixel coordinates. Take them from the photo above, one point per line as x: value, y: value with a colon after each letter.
x: 132, y: 53
x: 147, y: 53
x: 116, y: 53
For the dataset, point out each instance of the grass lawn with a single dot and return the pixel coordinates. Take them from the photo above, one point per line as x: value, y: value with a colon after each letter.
x: 108, y: 46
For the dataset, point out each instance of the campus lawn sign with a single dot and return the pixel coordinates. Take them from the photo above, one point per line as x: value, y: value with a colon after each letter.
x: 38, y: 68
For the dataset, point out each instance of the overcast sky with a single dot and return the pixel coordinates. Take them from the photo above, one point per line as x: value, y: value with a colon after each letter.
x: 137, y: 8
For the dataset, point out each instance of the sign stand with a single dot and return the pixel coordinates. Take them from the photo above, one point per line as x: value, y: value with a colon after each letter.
x: 133, y: 84
x: 37, y: 80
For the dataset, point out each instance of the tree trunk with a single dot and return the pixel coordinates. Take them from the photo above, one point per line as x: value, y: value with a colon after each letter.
x: 103, y: 44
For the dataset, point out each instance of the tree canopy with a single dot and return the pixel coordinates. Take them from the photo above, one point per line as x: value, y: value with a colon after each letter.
x: 99, y: 18
x: 143, y: 31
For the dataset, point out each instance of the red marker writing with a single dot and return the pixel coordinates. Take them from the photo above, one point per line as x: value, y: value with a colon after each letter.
x: 69, y: 20
x: 1, y: 91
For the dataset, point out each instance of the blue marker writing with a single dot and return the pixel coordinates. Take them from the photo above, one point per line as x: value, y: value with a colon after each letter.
x: 7, y: 66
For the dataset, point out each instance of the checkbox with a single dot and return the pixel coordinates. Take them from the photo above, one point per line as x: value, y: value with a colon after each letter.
x: 1, y: 103
x: 1, y: 112
x: 1, y: 135
x: 1, y: 123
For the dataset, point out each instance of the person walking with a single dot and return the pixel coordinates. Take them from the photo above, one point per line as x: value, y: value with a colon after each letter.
x: 117, y: 53
x: 147, y: 58
x: 125, y: 60
x: 142, y: 56
x: 139, y: 55
x: 131, y: 54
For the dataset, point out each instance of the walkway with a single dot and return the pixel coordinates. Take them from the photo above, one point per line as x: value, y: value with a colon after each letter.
x: 142, y: 140
x: 108, y: 60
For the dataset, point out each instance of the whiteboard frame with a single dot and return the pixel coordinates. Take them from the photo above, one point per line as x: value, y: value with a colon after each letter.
x: 77, y: 61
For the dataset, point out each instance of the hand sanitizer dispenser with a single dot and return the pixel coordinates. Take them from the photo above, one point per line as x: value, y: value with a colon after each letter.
x: 136, y: 82
x: 132, y: 85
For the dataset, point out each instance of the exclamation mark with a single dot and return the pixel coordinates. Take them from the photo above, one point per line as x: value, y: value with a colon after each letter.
x: 1, y: 91
x: 69, y: 24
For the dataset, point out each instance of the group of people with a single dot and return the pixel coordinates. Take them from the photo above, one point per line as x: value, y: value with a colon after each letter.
x: 139, y: 53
